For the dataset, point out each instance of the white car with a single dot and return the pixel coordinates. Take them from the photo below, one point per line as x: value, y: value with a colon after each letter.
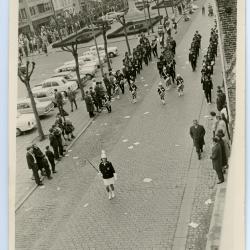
x: 112, y: 51
x: 83, y: 64
x: 43, y: 107
x: 113, y: 15
x: 24, y: 122
x: 71, y: 76
x: 91, y: 58
x: 88, y: 71
x: 45, y: 90
x: 94, y: 53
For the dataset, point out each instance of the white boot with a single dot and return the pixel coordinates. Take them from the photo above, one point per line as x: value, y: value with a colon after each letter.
x: 110, y: 195
x: 163, y: 102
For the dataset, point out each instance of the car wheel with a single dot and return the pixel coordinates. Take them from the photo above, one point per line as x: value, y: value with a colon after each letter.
x: 111, y: 54
x: 18, y: 132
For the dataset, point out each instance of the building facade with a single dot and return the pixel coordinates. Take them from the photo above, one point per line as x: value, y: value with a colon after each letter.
x: 35, y: 13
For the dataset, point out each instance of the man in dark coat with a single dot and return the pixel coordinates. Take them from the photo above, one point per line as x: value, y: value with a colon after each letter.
x: 108, y: 85
x: 41, y: 161
x: 89, y: 105
x: 207, y: 88
x: 32, y: 164
x: 221, y: 100
x: 54, y: 143
x: 99, y: 94
x: 216, y: 158
x: 51, y: 159
x: 59, y: 101
x: 197, y: 133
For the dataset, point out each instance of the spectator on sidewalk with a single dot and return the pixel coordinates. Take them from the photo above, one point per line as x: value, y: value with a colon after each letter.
x: 225, y: 148
x: 107, y: 103
x: 69, y: 128
x: 41, y: 161
x: 214, y: 121
x: 197, y: 133
x: 32, y: 164
x: 99, y: 90
x: 58, y: 135
x: 72, y: 98
x: 89, y: 104
x: 216, y: 158
x: 54, y: 144
x: 51, y: 159
x: 108, y: 174
x: 108, y: 85
x: 221, y: 99
x: 59, y: 100
x: 93, y: 96
x: 220, y: 125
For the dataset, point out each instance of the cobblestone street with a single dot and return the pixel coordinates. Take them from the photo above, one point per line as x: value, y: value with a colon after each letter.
x: 142, y: 140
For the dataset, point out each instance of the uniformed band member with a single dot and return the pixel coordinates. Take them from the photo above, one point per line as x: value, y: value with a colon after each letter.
x: 161, y: 92
x: 180, y: 84
x: 197, y: 133
x: 108, y: 174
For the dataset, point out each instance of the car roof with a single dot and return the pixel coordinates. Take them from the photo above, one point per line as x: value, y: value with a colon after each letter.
x: 54, y: 78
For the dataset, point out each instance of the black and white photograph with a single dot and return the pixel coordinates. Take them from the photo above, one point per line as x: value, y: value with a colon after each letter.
x: 129, y: 120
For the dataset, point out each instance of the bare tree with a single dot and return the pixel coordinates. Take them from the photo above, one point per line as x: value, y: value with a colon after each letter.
x: 24, y: 74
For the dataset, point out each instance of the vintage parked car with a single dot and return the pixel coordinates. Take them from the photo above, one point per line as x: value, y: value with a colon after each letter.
x: 71, y: 76
x: 83, y: 64
x: 91, y: 58
x: 113, y: 15
x: 88, y: 71
x: 24, y: 122
x: 94, y: 53
x: 43, y: 107
x: 112, y: 51
x: 45, y: 90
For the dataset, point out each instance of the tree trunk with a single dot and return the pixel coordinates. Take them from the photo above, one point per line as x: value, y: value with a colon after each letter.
x: 105, y: 46
x: 150, y: 21
x: 33, y: 104
x: 75, y: 54
x: 126, y: 37
x: 158, y: 9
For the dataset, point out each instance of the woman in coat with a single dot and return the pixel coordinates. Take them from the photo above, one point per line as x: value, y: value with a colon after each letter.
x: 89, y: 104
x: 216, y: 158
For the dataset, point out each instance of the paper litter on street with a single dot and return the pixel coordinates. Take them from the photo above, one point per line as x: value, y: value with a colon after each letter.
x: 58, y: 188
x: 146, y: 113
x: 75, y: 157
x: 70, y: 150
x: 136, y: 143
x: 126, y: 117
x: 145, y: 85
x: 125, y: 140
x: 147, y: 180
x: 130, y: 147
x: 86, y: 205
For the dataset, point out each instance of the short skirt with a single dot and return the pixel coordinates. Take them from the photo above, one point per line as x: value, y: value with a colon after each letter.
x: 109, y: 181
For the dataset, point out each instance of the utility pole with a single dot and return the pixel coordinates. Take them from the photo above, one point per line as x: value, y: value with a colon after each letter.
x: 24, y: 75
x: 158, y: 9
x: 144, y: 6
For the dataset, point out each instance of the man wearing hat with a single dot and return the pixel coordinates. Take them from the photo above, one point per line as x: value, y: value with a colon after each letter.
x: 197, y: 133
x: 108, y: 174
x: 32, y: 164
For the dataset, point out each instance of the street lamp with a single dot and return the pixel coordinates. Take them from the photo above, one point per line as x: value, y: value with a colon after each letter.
x: 24, y: 74
x: 150, y: 21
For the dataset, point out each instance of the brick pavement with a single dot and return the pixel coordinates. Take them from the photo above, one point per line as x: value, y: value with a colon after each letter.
x: 143, y: 215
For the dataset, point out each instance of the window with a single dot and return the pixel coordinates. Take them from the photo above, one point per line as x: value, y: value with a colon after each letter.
x: 47, y: 85
x: 23, y: 14
x: 55, y: 84
x: 41, y: 8
x: 32, y: 11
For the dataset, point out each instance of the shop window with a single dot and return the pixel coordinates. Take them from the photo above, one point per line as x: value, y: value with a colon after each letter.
x: 23, y: 14
x: 32, y: 11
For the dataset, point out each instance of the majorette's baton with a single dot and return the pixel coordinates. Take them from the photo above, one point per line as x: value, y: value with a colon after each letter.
x: 92, y: 165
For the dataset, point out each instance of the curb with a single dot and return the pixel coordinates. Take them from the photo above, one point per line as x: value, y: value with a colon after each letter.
x: 21, y: 202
